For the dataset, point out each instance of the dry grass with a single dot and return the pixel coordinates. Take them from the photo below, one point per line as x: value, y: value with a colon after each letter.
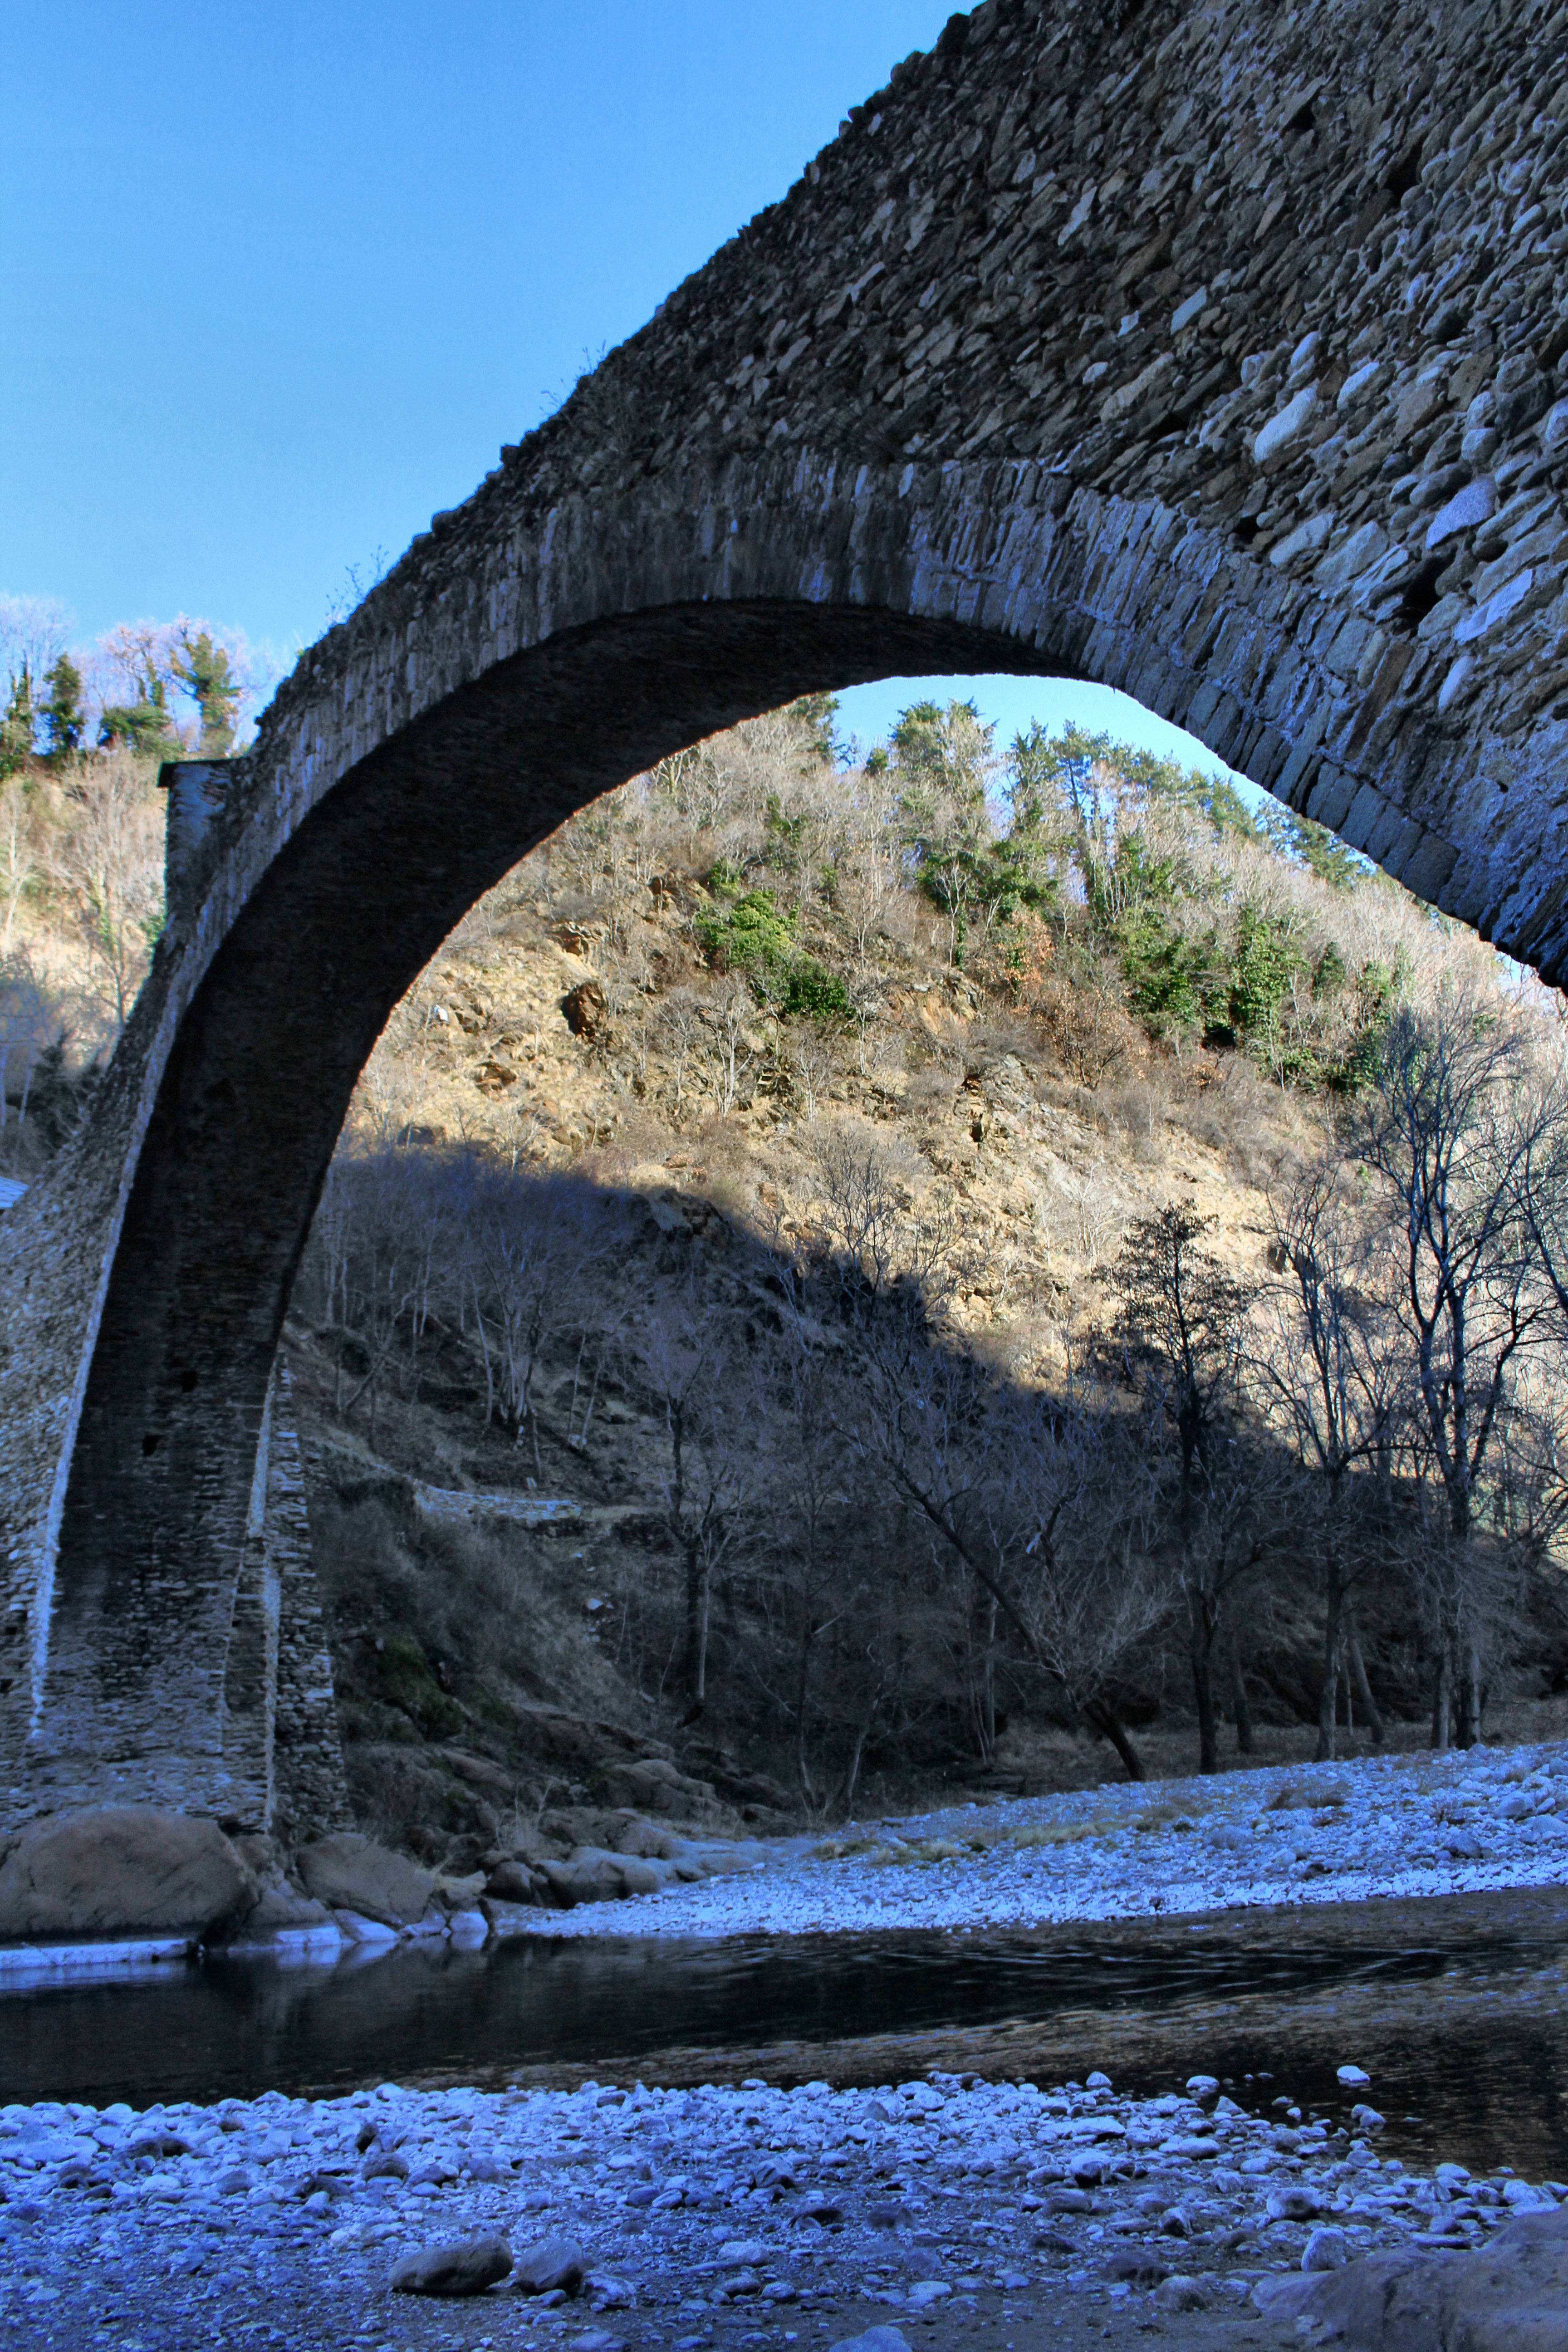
x: 1041, y: 1834
x: 1160, y: 1818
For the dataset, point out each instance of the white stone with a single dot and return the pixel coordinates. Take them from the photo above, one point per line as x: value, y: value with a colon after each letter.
x: 1080, y: 214
x: 1288, y: 425
x: 1360, y: 380
x: 1496, y: 609
x: 1475, y: 503
x: 1360, y: 549
x: 1185, y: 312
x: 1305, y: 539
x: 1455, y: 684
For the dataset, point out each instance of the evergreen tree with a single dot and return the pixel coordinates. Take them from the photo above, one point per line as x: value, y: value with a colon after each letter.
x: 144, y: 725
x: 139, y: 650
x: 205, y: 672
x: 16, y: 724
x: 944, y: 759
x: 63, y: 722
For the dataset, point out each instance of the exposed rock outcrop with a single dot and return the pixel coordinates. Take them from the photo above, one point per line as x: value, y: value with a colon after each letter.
x: 110, y: 1869
x: 1511, y: 2297
x: 350, y: 1872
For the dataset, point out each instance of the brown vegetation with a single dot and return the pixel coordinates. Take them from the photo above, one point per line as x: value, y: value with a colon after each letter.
x: 951, y: 1262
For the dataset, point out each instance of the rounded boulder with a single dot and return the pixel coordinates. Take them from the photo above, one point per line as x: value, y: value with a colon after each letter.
x: 127, y: 1869
x: 351, y: 1872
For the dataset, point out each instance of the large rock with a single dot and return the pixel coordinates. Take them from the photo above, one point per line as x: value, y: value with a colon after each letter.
x: 592, y: 1875
x: 352, y: 1873
x: 550, y: 2264
x: 1511, y: 2297
x: 125, y: 1868
x: 467, y: 2267
x: 511, y: 1881
x: 658, y: 1787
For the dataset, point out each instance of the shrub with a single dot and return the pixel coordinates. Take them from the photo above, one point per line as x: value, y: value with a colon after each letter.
x: 406, y: 1679
x: 750, y: 934
x: 812, y: 993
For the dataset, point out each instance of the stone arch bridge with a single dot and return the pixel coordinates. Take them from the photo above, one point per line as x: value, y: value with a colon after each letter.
x: 1208, y: 350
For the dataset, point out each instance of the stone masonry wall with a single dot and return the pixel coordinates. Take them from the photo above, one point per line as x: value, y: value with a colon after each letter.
x: 1212, y: 351
x: 282, y: 1765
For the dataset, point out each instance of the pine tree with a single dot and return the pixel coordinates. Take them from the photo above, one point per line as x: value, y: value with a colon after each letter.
x: 63, y: 722
x: 203, y: 670
x: 142, y: 726
x: 944, y: 758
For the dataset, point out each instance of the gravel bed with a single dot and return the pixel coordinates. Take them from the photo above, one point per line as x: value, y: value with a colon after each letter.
x: 962, y: 2208
x: 1382, y: 1826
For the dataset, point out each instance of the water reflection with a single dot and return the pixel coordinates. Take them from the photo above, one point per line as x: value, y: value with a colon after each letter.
x: 1465, y: 2031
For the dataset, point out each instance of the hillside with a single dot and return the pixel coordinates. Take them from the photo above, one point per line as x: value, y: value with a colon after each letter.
x: 721, y: 1294
x: 710, y: 1047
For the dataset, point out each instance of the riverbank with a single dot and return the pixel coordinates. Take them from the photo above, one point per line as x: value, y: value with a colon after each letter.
x: 1381, y: 1827
x: 965, y: 2211
x: 1420, y: 1826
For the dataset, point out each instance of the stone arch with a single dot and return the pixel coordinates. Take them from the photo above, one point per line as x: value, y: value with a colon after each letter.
x: 740, y: 505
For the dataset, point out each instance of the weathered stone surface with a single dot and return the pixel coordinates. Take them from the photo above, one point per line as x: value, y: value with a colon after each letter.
x: 550, y: 2264
x: 282, y: 1759
x: 351, y: 1872
x: 947, y: 404
x: 1511, y: 2297
x: 282, y: 1912
x: 467, y: 2268
x: 122, y: 1868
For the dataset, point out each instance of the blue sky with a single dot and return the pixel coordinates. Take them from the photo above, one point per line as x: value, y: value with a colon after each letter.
x: 280, y: 281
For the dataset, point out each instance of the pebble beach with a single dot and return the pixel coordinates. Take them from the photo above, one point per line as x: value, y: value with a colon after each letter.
x: 1395, y: 1827
x: 996, y: 2211
x: 948, y: 2209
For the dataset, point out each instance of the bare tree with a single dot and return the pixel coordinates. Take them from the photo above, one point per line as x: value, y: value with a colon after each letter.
x: 815, y: 1558
x: 813, y: 1066
x: 514, y: 1250
x: 34, y: 630
x: 1032, y: 1493
x: 110, y: 860
x: 1181, y: 1325
x: 30, y: 1025
x: 1332, y: 1371
x: 679, y: 1027
x: 724, y: 1044
x: 18, y: 853
x: 1448, y: 1133
x: 688, y: 1363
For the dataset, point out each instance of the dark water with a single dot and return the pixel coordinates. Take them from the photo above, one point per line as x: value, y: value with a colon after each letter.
x: 1464, y: 2028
